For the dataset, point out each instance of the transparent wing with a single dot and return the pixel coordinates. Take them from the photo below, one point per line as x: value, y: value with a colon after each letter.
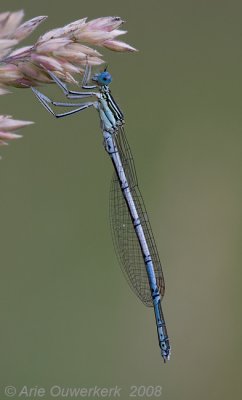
x: 124, y: 237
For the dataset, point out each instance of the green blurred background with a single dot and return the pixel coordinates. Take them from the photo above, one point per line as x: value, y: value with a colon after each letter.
x: 67, y: 315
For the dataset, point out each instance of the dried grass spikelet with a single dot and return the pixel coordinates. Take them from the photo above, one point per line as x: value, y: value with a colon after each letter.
x: 8, y: 127
x: 11, y: 33
x: 63, y: 51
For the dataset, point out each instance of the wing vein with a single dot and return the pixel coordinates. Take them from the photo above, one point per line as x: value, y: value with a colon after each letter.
x: 125, y: 241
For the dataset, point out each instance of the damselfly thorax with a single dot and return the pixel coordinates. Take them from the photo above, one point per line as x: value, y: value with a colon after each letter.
x: 111, y: 115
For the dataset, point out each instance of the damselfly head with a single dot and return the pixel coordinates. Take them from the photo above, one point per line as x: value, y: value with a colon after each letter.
x: 103, y: 78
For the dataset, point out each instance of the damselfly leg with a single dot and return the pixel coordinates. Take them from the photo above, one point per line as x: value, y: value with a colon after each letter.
x: 72, y: 94
x: 44, y: 100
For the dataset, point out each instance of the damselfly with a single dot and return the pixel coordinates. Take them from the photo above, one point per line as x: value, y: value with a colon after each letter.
x: 132, y: 235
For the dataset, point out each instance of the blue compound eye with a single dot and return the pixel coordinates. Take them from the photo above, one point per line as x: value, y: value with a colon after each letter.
x: 104, y: 78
